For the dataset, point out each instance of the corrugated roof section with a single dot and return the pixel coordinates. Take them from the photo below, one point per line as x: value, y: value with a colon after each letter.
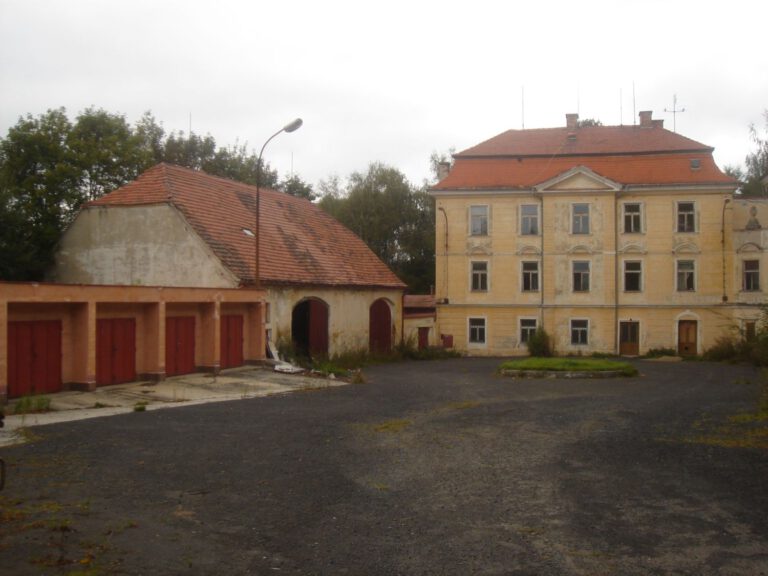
x: 300, y: 243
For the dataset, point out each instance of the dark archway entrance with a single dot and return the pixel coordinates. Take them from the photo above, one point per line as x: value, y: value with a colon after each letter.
x: 380, y: 327
x: 309, y: 327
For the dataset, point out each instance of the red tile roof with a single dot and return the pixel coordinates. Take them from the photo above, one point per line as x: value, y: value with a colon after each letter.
x: 300, y: 243
x: 631, y: 155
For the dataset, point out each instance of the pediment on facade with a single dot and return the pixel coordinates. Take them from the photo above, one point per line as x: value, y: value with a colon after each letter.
x: 749, y: 247
x: 580, y: 249
x: 686, y: 248
x: 529, y: 251
x: 632, y: 248
x: 579, y: 178
x: 475, y: 246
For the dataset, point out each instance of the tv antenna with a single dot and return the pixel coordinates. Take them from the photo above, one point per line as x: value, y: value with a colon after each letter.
x: 675, y: 111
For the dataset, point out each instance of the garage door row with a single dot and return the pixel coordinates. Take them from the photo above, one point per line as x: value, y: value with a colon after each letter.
x: 35, y: 351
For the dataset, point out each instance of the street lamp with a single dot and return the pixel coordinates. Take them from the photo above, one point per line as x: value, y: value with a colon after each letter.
x: 290, y: 127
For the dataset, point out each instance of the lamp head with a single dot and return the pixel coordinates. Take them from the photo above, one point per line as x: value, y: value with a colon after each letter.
x: 293, y: 126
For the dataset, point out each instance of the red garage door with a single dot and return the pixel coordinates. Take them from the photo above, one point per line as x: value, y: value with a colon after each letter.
x: 179, y: 345
x: 34, y: 357
x: 231, y: 341
x: 115, y: 351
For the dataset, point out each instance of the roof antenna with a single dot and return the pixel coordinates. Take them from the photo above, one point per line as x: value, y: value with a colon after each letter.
x: 621, y: 107
x: 634, y: 107
x: 675, y: 111
x: 522, y: 88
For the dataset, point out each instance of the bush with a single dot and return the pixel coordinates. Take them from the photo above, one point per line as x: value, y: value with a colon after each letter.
x: 539, y: 344
x: 28, y: 404
x: 724, y: 349
x: 659, y: 352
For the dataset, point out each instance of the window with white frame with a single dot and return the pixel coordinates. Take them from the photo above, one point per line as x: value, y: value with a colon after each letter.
x: 477, y: 330
x: 479, y: 276
x: 527, y: 329
x: 633, y: 276
x: 580, y: 219
x: 633, y: 222
x: 478, y: 220
x: 580, y: 332
x: 686, y: 217
x: 686, y: 276
x: 581, y: 276
x: 529, y: 219
x: 751, y: 273
x: 530, y: 276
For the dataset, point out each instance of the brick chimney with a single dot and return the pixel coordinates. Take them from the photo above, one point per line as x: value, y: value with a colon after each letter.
x: 571, y: 121
x: 645, y: 119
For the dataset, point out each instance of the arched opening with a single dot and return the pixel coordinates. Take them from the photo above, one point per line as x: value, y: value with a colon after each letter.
x: 309, y: 327
x: 380, y: 327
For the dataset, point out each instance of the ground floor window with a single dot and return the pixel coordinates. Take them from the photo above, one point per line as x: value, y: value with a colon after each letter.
x: 580, y: 332
x: 527, y: 329
x: 477, y: 330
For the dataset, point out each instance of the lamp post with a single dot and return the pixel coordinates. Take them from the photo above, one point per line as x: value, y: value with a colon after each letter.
x: 290, y: 127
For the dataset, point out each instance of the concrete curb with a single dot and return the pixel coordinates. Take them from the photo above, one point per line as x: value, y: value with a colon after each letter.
x: 562, y: 374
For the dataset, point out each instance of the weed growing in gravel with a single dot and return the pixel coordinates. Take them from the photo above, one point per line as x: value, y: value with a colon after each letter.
x: 32, y: 404
x: 392, y: 426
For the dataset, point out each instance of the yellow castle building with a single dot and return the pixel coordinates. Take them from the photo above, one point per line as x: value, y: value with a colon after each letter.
x: 613, y: 239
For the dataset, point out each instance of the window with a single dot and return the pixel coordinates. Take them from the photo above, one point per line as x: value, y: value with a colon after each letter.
x: 527, y: 329
x: 579, y: 332
x: 751, y: 275
x: 632, y: 219
x: 686, y: 217
x: 686, y: 276
x: 530, y: 276
x: 580, y: 224
x: 581, y: 276
x: 479, y: 276
x: 478, y: 216
x: 477, y: 330
x: 633, y: 275
x: 529, y: 219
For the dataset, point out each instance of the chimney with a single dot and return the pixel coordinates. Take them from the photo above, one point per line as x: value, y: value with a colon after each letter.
x: 645, y: 119
x: 443, y: 168
x: 571, y: 121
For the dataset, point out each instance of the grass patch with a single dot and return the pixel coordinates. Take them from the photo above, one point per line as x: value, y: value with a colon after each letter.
x: 570, y: 365
x: 392, y: 426
x: 32, y: 404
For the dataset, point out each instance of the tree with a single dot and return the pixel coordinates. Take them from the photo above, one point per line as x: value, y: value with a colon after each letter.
x: 588, y: 122
x: 395, y: 220
x: 757, y: 161
x: 295, y: 186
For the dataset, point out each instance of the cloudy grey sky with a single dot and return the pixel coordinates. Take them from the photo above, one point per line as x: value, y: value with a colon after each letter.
x: 388, y: 81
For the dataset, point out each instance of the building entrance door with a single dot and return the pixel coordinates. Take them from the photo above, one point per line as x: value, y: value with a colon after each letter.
x: 686, y: 337
x: 629, y: 338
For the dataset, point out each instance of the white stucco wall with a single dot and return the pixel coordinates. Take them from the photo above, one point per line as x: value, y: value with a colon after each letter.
x: 137, y: 245
x: 348, y: 314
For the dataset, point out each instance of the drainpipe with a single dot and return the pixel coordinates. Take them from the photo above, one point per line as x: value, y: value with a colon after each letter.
x: 445, y: 252
x: 722, y: 246
x: 616, y: 221
x: 537, y: 194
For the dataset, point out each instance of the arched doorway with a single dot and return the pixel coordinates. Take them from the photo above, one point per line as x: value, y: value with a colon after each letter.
x: 309, y: 327
x: 380, y: 327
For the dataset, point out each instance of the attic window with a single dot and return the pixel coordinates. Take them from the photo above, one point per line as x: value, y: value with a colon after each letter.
x: 248, y: 232
x: 695, y: 164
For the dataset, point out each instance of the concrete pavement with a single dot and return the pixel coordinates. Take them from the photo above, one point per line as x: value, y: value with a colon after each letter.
x: 187, y: 390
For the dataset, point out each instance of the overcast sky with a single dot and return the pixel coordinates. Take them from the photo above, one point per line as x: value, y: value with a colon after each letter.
x: 388, y: 81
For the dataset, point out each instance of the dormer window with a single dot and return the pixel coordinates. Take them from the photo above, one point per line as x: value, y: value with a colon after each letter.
x: 695, y: 164
x: 248, y: 232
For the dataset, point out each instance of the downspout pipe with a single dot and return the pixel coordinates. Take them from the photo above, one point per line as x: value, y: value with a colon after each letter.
x: 722, y: 248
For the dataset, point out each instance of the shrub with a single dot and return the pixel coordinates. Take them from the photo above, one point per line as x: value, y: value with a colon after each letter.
x: 28, y: 404
x: 659, y: 352
x: 725, y: 348
x: 539, y: 344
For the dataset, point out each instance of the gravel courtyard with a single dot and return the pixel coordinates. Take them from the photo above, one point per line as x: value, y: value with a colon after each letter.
x: 429, y: 468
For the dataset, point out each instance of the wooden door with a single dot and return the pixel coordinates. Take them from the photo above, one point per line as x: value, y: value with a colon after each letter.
x: 380, y: 327
x: 34, y: 357
x: 179, y: 345
x: 115, y: 350
x: 687, y: 337
x: 231, y: 341
x: 423, y: 337
x: 318, y: 328
x: 629, y: 338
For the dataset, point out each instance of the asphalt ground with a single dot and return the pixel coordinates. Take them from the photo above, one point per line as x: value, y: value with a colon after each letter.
x: 429, y: 468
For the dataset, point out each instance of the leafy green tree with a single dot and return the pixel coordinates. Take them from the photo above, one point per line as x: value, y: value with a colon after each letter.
x: 395, y: 220
x: 295, y: 186
x: 757, y: 161
x: 39, y: 193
